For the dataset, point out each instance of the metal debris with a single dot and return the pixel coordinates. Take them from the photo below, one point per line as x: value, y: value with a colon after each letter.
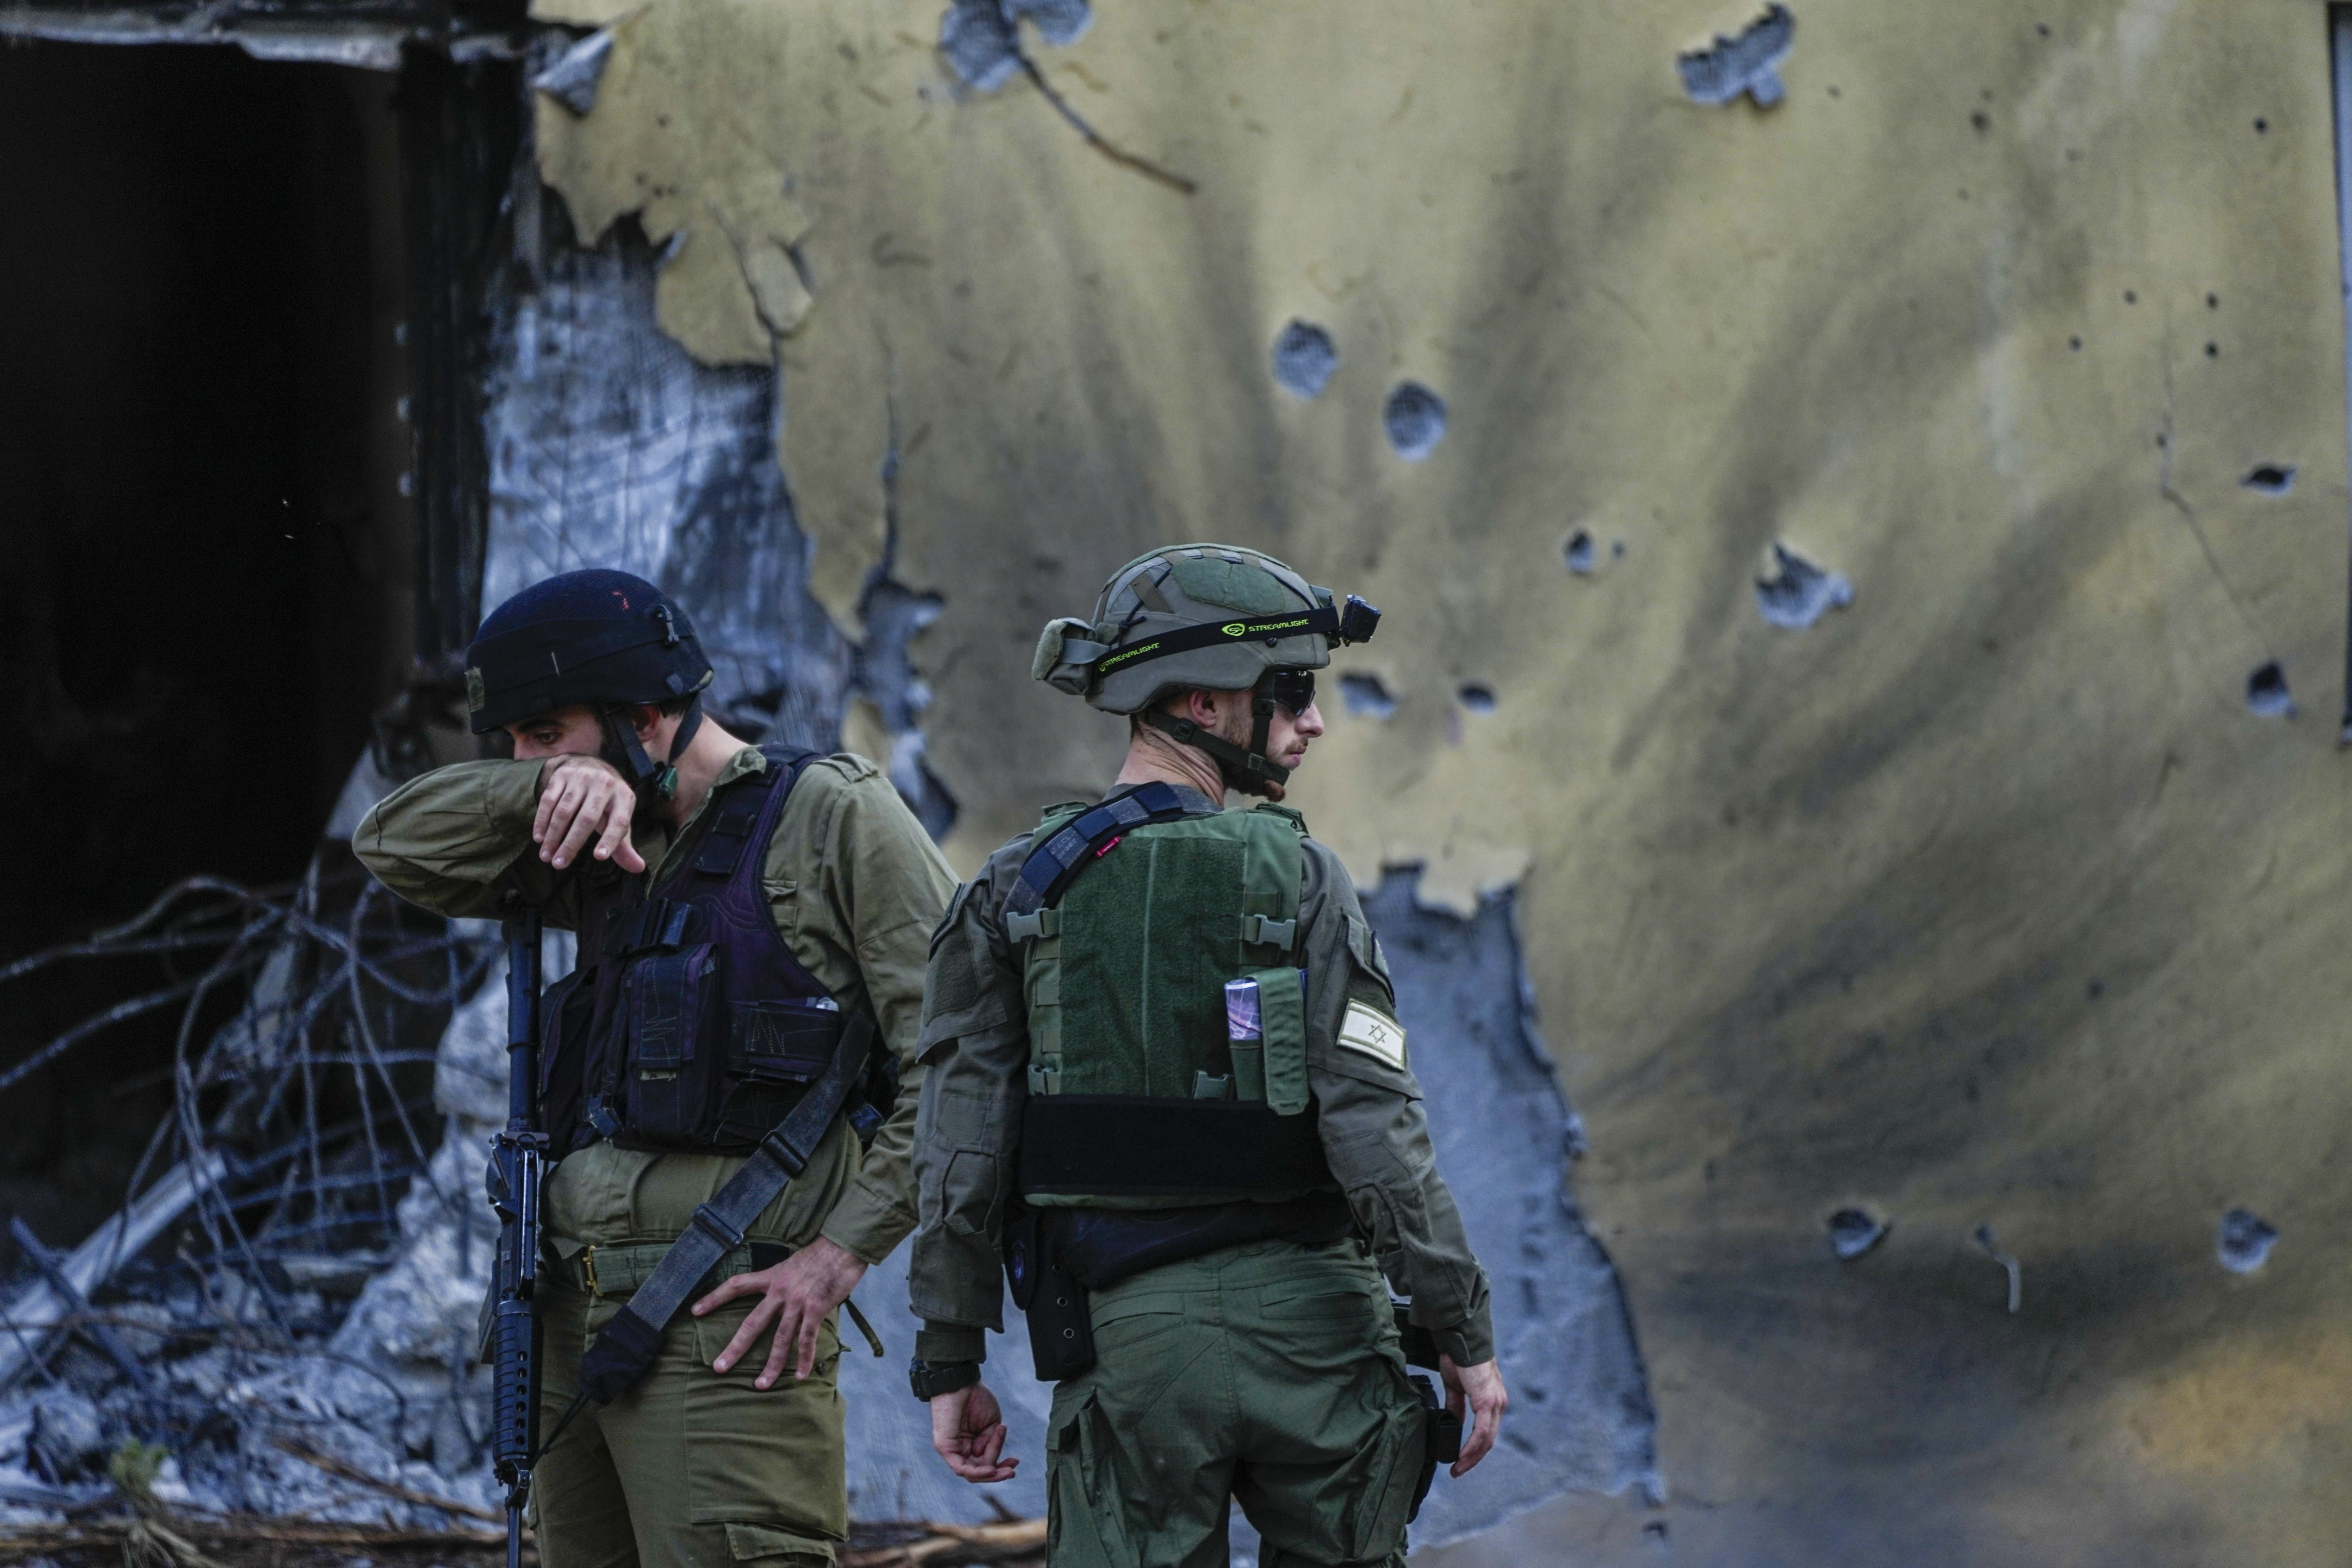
x: 304, y: 1144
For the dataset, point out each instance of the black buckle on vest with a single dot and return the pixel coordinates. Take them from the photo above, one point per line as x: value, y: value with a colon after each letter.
x: 655, y: 923
x: 736, y: 813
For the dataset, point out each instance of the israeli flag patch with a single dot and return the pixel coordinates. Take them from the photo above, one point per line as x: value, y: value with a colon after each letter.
x: 1367, y: 1031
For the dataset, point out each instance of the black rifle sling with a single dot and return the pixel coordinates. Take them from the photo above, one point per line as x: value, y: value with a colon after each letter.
x: 629, y: 1342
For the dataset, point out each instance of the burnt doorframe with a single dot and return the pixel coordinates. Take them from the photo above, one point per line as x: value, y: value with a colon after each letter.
x: 462, y: 106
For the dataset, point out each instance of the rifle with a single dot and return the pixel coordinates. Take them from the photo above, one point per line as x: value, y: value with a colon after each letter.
x: 518, y: 1156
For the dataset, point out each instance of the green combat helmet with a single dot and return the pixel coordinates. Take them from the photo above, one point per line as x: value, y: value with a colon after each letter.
x: 1209, y: 617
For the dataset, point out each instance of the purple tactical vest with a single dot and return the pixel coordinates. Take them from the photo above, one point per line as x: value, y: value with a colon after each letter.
x: 688, y: 1024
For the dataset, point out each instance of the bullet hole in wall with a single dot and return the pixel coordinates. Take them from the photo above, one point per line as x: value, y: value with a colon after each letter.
x: 2131, y: 296
x: 982, y: 39
x: 1367, y: 696
x: 2261, y: 127
x: 1799, y: 592
x: 1415, y: 418
x: 1746, y: 64
x: 2269, y: 478
x: 2075, y: 343
x: 2245, y: 1241
x: 2212, y: 350
x: 1476, y: 697
x: 1578, y: 553
x: 1853, y: 1232
x: 1304, y: 359
x: 2267, y: 693
x: 2212, y: 302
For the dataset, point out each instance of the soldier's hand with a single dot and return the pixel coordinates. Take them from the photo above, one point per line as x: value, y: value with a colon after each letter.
x: 967, y: 1430
x: 1480, y: 1386
x: 795, y: 1295
x: 583, y: 799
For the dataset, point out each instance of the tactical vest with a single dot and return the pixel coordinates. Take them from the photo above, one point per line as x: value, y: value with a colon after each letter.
x: 688, y: 1024
x: 1134, y: 914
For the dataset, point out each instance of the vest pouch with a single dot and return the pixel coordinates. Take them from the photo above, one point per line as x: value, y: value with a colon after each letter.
x: 782, y: 1041
x: 1282, y: 1020
x: 667, y: 997
x: 1249, y: 1068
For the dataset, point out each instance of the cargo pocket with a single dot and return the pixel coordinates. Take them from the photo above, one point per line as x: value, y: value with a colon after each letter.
x: 1384, y: 1489
x: 766, y: 1543
x: 666, y: 996
x: 1083, y: 1526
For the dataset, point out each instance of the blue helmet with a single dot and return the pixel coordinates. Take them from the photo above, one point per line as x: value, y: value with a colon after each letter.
x: 597, y: 638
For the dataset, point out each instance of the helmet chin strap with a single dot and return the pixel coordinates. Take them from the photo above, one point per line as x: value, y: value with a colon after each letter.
x: 1250, y: 771
x: 655, y: 781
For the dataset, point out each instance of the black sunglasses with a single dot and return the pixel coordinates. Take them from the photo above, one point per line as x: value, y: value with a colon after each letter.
x: 1294, y: 689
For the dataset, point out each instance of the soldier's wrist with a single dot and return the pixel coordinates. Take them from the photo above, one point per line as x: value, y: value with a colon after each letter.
x: 1465, y: 1344
x: 932, y: 1378
x: 942, y: 1342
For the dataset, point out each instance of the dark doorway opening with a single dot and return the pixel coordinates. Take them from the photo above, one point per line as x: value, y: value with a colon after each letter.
x: 203, y: 475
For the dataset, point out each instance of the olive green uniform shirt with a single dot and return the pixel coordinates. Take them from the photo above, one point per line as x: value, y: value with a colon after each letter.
x: 975, y: 1046
x: 855, y: 885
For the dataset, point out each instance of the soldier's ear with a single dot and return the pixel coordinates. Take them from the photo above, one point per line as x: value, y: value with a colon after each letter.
x: 645, y: 718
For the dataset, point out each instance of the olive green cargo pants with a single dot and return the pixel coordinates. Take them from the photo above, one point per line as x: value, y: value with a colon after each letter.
x: 688, y: 1467
x: 1266, y: 1373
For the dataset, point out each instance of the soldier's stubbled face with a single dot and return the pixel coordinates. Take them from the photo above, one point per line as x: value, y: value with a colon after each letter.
x: 1228, y: 716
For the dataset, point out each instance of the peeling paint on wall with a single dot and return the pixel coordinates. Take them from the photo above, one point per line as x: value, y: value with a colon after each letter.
x: 611, y: 446
x: 1787, y: 949
x: 1581, y: 1412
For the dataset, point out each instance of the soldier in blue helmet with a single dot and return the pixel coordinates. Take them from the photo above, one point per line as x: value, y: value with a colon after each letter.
x: 748, y: 917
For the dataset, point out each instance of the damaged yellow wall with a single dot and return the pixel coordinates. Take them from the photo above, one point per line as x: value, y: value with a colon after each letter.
x: 1984, y: 902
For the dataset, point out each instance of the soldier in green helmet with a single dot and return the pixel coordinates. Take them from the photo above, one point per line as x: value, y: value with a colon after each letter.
x: 1166, y: 1094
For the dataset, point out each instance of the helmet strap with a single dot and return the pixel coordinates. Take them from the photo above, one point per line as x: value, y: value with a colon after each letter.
x: 1251, y: 772
x: 654, y: 781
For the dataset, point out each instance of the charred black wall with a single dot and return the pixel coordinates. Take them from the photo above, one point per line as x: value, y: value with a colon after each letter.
x: 202, y: 453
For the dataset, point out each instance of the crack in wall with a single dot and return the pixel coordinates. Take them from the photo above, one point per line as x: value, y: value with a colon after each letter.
x: 980, y: 40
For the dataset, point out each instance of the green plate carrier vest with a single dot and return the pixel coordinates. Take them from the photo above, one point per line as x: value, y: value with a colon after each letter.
x: 1137, y: 1098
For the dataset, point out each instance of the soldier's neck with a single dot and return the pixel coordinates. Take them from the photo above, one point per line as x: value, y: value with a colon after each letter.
x: 1153, y: 758
x: 710, y: 750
